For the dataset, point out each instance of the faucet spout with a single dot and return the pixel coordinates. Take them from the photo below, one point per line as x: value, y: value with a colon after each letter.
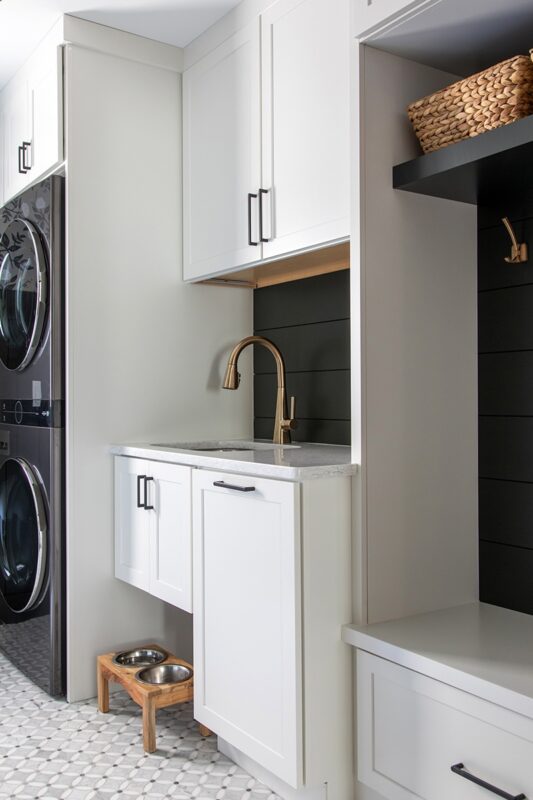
x: 282, y: 423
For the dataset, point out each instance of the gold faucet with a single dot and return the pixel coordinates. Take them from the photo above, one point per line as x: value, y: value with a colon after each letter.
x: 282, y: 423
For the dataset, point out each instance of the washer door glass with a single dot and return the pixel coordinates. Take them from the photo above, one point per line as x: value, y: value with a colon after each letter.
x: 23, y: 535
x: 23, y: 294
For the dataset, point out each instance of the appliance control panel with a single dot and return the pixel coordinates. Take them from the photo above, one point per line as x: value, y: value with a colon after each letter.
x: 45, y: 414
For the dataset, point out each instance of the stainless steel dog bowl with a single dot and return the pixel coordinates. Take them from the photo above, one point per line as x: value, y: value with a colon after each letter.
x: 142, y: 657
x: 164, y: 673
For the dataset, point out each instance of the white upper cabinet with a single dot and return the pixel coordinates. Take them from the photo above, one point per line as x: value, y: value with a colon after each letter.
x: 17, y: 129
x: 222, y: 164
x: 32, y: 119
x: 153, y: 533
x: 266, y: 139
x: 46, y: 104
x: 371, y: 13
x: 306, y: 118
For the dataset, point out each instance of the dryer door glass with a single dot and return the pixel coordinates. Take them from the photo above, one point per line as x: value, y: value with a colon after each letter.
x: 23, y: 294
x: 23, y: 534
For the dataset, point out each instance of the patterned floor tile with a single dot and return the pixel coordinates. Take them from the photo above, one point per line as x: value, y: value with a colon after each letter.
x: 50, y: 750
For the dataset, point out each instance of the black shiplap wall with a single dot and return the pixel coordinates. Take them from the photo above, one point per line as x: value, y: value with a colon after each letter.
x: 309, y: 320
x: 505, y: 320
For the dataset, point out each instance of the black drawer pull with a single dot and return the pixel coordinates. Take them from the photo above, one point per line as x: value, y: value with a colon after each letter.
x: 461, y: 770
x: 224, y: 485
x: 147, y: 507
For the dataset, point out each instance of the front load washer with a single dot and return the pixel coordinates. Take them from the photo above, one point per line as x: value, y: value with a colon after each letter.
x: 32, y: 574
x: 31, y: 306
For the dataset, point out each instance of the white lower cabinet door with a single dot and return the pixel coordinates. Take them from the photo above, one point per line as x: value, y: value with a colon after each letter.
x: 413, y: 729
x: 153, y: 531
x: 169, y: 492
x: 132, y: 522
x: 247, y: 617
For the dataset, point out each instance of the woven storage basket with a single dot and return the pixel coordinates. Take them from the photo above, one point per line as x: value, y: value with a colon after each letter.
x: 492, y: 98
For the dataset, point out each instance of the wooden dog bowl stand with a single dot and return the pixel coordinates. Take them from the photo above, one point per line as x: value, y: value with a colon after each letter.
x: 148, y: 697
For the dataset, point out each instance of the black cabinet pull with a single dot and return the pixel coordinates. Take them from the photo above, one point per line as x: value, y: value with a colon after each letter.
x: 224, y: 485
x: 25, y: 146
x: 147, y: 507
x: 141, y: 503
x: 251, y: 242
x: 261, y: 193
x: 22, y: 168
x: 461, y: 770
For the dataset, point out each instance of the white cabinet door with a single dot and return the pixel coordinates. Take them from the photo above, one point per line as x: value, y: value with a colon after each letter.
x: 371, y: 13
x: 153, y: 532
x: 247, y: 617
x: 306, y: 124
x: 45, y: 87
x: 169, y: 492
x: 132, y: 522
x: 17, y: 137
x: 222, y: 156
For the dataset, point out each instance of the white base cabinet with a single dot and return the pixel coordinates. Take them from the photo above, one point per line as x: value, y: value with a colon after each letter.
x: 247, y: 625
x: 413, y: 729
x: 272, y: 582
x: 153, y: 546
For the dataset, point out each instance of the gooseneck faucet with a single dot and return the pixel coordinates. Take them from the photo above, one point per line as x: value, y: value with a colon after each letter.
x: 282, y: 423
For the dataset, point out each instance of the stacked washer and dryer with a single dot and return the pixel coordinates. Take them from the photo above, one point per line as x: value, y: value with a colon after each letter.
x: 32, y: 498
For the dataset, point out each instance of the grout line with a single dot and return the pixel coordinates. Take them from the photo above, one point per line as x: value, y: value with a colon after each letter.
x: 506, y: 544
x: 300, y: 325
x: 504, y: 288
x: 305, y: 371
x: 504, y: 480
x: 504, y: 352
x: 505, y: 416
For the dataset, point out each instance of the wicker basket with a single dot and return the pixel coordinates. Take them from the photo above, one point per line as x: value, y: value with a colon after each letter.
x: 492, y: 98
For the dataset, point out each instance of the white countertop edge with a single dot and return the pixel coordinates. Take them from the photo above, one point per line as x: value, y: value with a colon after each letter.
x: 439, y: 670
x: 223, y: 463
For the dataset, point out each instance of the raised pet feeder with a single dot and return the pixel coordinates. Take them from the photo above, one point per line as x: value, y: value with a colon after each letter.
x: 158, y: 685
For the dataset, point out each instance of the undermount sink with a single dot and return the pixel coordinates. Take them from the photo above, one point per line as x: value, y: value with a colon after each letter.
x: 223, y: 446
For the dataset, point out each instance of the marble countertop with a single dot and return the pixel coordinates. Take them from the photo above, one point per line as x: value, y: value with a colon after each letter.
x: 480, y: 648
x: 296, y: 462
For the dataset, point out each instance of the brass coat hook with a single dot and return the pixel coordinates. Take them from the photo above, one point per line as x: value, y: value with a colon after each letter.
x: 518, y: 251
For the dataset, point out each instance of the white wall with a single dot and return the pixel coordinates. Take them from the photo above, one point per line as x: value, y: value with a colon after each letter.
x: 145, y: 352
x: 417, y: 257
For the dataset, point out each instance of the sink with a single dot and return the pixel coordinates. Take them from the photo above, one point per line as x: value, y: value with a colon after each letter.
x: 223, y: 446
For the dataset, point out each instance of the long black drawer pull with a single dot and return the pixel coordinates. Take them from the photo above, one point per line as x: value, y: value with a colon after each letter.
x: 141, y: 503
x: 224, y: 485
x: 146, y: 506
x: 251, y: 242
x: 461, y: 770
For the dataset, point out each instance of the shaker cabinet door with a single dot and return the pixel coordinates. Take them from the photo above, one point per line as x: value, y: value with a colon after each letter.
x: 306, y: 133
x: 132, y: 522
x: 222, y: 156
x: 247, y: 617
x: 169, y: 491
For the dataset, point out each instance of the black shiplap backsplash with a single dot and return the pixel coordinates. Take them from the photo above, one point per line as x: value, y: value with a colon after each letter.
x: 309, y: 320
x: 505, y: 322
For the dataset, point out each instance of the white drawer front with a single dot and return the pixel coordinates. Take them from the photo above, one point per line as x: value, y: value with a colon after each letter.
x: 412, y: 729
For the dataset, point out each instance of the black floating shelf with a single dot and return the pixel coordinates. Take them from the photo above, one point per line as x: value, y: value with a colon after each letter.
x: 494, y: 165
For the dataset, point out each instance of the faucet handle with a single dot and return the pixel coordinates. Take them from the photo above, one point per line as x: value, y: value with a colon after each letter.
x: 291, y: 423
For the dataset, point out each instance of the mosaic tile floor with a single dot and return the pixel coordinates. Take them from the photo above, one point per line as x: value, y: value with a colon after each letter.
x: 55, y: 751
